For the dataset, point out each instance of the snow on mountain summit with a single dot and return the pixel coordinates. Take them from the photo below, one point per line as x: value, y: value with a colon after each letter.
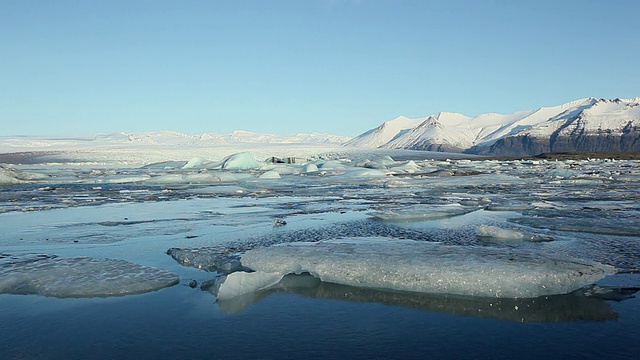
x: 455, y: 132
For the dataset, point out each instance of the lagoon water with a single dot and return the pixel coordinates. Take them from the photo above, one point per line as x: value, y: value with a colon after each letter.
x: 113, y: 240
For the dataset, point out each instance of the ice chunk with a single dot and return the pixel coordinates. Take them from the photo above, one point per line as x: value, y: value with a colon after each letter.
x: 309, y: 167
x: 8, y: 177
x: 378, y: 163
x: 271, y: 174
x: 363, y: 173
x: 240, y: 161
x: 332, y: 165
x: 222, y: 260
x: 79, y: 276
x: 430, y: 267
x: 408, y: 167
x: 561, y: 173
x: 205, y: 178
x: 495, y: 232
x: 423, y: 212
x: 241, y: 283
x: 197, y: 163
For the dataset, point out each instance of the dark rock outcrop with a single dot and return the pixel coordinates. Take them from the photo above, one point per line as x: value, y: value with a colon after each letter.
x: 577, y: 140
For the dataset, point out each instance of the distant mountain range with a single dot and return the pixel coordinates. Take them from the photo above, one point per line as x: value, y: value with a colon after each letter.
x: 162, y: 138
x: 583, y: 125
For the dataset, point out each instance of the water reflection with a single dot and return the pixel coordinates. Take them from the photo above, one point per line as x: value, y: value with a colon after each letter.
x: 583, y: 305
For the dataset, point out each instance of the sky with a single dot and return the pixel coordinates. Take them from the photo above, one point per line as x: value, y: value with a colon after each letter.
x: 289, y: 66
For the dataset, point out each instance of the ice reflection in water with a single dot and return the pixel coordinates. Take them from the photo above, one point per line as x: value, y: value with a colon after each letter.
x: 575, y: 306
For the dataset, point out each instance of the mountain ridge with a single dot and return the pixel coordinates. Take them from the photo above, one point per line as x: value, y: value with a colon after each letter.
x: 588, y: 124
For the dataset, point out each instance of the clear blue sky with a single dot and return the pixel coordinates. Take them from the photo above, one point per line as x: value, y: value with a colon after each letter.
x: 338, y: 66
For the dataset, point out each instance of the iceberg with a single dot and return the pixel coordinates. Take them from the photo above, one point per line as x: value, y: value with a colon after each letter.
x: 309, y: 168
x: 240, y: 161
x: 78, y: 277
x: 271, y: 174
x: 404, y: 265
x: 8, y: 177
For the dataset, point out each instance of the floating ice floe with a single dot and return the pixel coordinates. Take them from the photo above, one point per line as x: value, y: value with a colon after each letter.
x: 197, y: 163
x: 9, y: 176
x: 494, y: 232
x: 271, y: 174
x: 561, y: 173
x: 382, y: 263
x: 422, y: 213
x: 362, y: 174
x: 309, y: 168
x: 79, y: 276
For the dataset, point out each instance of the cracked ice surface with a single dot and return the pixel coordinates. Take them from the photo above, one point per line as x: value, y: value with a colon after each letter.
x: 79, y: 276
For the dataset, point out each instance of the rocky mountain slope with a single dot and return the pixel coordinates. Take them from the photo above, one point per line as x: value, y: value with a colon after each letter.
x: 583, y: 125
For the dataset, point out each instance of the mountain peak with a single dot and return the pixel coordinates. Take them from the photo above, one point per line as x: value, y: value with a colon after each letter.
x: 458, y: 132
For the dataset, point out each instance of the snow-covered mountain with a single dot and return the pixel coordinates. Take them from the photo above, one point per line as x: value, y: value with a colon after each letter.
x: 583, y: 125
x: 164, y: 138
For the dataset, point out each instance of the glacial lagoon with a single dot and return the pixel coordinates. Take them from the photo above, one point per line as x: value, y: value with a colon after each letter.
x: 338, y: 257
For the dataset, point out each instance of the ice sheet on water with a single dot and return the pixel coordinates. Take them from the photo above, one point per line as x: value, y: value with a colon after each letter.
x: 423, y: 212
x: 224, y: 260
x: 430, y: 267
x: 78, y: 276
x: 494, y: 232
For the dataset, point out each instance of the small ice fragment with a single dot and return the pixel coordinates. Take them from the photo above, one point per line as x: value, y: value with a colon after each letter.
x: 271, y: 174
x: 509, y: 234
x: 279, y: 222
x: 240, y: 283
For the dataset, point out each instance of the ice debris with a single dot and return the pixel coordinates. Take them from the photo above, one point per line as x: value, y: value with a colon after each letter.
x: 494, y: 232
x: 422, y: 212
x: 78, y: 276
x: 241, y: 283
x: 429, y: 267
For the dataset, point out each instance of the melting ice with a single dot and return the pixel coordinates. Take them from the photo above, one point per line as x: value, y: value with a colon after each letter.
x: 78, y: 276
x: 424, y: 267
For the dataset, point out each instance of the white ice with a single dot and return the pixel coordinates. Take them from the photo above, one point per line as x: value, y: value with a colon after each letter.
x: 241, y: 283
x: 79, y: 277
x: 422, y: 212
x: 429, y: 267
x: 495, y: 232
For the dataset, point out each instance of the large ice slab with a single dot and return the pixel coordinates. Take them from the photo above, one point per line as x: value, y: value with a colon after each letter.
x: 79, y: 276
x: 430, y: 267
